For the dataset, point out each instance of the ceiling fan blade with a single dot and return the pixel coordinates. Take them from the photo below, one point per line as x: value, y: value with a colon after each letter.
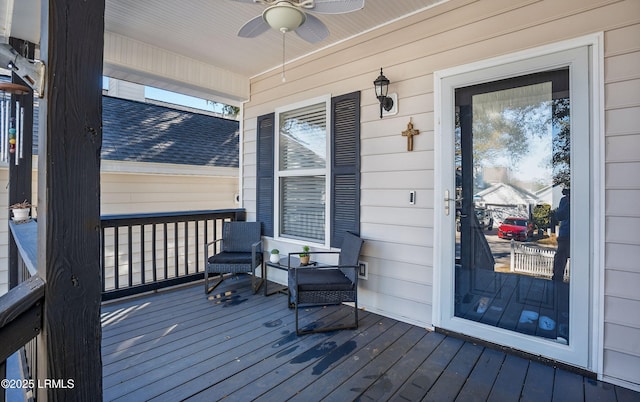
x: 313, y: 30
x: 253, y: 28
x: 250, y: 1
x: 336, y: 6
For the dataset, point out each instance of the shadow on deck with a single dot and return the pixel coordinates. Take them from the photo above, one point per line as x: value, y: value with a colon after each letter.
x: 181, y: 345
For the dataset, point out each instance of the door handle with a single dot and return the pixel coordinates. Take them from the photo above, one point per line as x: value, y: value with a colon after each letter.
x: 447, y: 199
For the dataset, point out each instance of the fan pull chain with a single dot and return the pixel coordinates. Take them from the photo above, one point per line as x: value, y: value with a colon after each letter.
x: 284, y: 79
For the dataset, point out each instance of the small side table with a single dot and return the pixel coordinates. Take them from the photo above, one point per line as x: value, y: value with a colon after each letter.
x: 282, y: 265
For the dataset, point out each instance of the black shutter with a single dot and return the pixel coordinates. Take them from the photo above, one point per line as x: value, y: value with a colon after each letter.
x: 264, y: 173
x: 345, y: 166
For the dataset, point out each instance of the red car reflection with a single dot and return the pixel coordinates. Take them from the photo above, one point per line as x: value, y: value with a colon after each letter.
x: 514, y: 228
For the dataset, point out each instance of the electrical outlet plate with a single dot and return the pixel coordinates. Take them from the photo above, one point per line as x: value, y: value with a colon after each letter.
x: 363, y: 271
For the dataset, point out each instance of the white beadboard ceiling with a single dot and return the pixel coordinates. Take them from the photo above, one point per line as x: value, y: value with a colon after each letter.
x: 205, y: 30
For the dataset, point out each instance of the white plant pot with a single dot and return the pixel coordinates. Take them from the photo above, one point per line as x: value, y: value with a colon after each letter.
x: 274, y: 258
x: 21, y: 214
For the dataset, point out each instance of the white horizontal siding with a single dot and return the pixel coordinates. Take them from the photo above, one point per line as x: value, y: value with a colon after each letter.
x: 617, y: 121
x: 618, y: 256
x: 399, y: 237
x: 398, y: 307
x: 620, y: 366
x: 623, y: 203
x: 623, y: 149
x: 396, y: 180
x: 130, y: 193
x: 398, y: 216
x: 622, y: 196
x: 622, y: 311
x: 622, y: 339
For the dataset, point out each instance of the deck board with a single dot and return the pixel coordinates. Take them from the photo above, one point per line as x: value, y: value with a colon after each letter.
x: 480, y: 381
x: 316, y: 357
x: 455, y: 375
x: 510, y: 380
x: 568, y: 387
x: 390, y: 382
x: 356, y: 384
x: 385, y: 333
x: 421, y: 380
x: 538, y: 384
x: 214, y: 358
x: 184, y: 345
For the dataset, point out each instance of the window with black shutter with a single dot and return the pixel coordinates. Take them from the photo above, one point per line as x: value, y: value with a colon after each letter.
x: 299, y: 171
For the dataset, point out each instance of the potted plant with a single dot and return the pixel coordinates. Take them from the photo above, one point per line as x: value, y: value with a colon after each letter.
x: 275, y: 256
x: 21, y: 210
x: 304, y: 256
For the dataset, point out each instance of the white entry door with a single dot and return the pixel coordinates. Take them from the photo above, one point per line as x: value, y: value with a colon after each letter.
x: 513, y: 203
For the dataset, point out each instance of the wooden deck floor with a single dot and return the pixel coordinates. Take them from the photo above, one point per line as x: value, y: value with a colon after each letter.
x: 180, y: 345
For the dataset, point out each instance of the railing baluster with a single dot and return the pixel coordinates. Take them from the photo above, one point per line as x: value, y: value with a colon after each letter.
x: 166, y: 254
x: 186, y: 247
x: 215, y: 229
x: 116, y: 257
x: 197, y: 245
x: 206, y: 234
x: 176, y: 255
x: 130, y: 252
x: 154, y: 253
x: 142, y: 255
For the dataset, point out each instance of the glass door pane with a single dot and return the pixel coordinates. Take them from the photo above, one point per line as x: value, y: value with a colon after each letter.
x: 513, y: 180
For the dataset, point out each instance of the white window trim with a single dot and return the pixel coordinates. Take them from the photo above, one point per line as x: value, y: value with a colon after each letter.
x: 596, y: 193
x: 326, y: 172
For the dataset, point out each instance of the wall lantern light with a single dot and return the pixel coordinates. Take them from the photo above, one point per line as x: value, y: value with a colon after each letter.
x: 382, y: 88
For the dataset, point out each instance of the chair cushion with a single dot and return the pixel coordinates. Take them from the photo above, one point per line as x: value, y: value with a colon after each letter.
x: 234, y: 258
x: 310, y: 279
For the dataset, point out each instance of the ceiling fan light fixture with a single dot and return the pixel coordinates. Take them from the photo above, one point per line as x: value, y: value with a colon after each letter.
x: 283, y: 17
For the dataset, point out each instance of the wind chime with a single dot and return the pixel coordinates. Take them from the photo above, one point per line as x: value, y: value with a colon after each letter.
x: 11, y: 122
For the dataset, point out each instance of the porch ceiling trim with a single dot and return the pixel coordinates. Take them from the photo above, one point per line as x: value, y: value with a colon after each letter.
x: 132, y: 60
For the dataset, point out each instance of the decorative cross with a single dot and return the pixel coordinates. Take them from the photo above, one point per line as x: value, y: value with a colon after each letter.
x: 409, y: 133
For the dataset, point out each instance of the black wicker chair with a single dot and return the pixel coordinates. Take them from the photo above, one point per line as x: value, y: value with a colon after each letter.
x: 239, y: 251
x: 324, y: 285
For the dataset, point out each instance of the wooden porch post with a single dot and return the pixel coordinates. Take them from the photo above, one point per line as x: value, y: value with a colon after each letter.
x: 70, y: 138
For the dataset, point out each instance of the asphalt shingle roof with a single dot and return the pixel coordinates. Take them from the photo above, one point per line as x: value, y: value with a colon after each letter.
x: 144, y: 132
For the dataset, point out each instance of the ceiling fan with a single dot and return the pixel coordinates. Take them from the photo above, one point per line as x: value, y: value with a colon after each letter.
x: 294, y: 15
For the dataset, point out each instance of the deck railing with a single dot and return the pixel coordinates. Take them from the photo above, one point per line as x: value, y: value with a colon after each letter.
x: 140, y: 253
x: 21, y: 310
x: 145, y: 252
